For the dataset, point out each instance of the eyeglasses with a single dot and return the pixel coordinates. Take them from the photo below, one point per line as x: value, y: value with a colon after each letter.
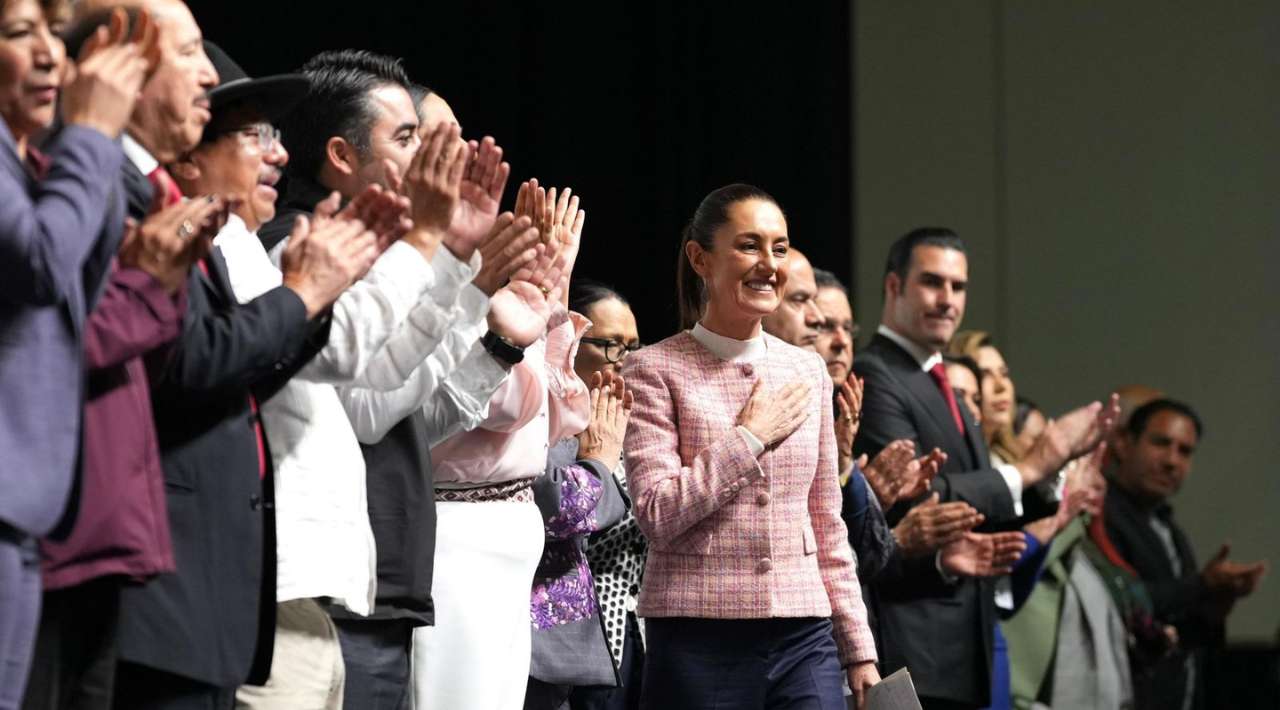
x: 614, y: 351
x: 827, y: 327
x: 268, y: 135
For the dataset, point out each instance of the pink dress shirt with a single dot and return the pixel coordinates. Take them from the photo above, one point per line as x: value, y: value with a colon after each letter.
x: 542, y: 402
x: 733, y: 535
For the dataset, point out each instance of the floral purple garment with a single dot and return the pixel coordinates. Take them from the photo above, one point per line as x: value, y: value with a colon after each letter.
x: 563, y: 589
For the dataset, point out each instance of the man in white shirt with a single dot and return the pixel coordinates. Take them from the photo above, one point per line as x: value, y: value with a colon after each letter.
x: 381, y: 330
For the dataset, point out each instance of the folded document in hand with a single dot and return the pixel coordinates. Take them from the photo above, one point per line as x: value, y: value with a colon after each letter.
x: 896, y: 692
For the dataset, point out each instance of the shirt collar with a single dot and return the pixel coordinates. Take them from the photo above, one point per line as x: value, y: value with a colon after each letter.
x: 727, y: 348
x: 235, y: 228
x: 139, y: 156
x: 926, y: 359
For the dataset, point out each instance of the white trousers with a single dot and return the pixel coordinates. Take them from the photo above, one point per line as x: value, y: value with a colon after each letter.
x: 476, y: 657
x: 306, y: 666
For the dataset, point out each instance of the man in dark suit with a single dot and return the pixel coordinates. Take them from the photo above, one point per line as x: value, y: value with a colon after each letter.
x: 940, y: 626
x: 1153, y: 458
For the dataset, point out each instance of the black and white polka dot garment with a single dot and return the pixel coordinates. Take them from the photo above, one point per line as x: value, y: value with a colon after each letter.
x: 616, y: 557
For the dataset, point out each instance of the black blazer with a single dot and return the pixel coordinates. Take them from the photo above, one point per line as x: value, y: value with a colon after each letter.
x: 941, y: 631
x: 1179, y: 600
x: 209, y: 619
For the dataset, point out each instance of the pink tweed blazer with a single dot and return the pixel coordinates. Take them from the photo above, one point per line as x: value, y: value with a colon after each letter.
x: 732, y: 536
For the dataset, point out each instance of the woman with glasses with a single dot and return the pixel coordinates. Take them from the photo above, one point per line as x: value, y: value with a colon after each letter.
x: 616, y: 555
x: 750, y: 591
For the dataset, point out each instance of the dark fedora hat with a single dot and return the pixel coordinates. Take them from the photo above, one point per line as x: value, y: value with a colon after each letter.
x: 273, y: 96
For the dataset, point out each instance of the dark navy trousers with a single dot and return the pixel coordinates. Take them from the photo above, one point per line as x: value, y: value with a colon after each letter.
x: 741, y: 664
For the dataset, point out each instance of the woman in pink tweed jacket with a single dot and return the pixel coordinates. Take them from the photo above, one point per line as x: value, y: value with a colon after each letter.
x: 750, y: 591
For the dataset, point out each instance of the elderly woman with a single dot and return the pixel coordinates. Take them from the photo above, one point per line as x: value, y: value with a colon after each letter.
x: 54, y: 256
x: 750, y: 590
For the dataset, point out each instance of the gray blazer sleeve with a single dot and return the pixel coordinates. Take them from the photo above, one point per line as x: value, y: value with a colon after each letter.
x: 48, y: 231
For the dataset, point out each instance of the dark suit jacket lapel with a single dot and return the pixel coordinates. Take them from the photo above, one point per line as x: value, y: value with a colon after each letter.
x: 218, y: 275
x: 139, y: 192
x: 977, y: 445
x: 921, y: 386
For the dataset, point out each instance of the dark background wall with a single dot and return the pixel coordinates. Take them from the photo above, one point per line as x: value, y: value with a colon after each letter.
x: 642, y: 108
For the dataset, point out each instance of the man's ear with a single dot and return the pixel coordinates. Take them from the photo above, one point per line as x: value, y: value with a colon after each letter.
x: 341, y: 155
x: 892, y: 285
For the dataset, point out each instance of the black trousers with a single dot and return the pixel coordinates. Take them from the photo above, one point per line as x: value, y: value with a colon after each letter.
x: 74, y: 666
x: 741, y: 664
x: 142, y: 688
x: 376, y: 654
x: 631, y: 670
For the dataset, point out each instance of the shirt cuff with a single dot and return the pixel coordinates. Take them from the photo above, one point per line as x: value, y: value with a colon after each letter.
x: 1012, y: 479
x: 753, y: 443
x: 475, y: 380
x: 452, y: 274
x: 947, y: 577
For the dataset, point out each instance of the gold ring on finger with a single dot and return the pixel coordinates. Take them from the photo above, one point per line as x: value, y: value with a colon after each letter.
x: 545, y: 291
x: 187, y: 230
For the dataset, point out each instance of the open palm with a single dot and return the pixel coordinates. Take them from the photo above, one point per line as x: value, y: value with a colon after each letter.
x: 519, y: 313
x: 480, y: 193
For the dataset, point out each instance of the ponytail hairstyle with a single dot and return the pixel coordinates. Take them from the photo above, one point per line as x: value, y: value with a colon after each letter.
x: 711, y: 214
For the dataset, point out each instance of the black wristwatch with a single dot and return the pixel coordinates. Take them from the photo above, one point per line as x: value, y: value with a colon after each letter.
x: 501, y: 348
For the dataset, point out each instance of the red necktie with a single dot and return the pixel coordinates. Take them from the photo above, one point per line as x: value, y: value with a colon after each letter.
x: 167, y: 191
x: 939, y: 374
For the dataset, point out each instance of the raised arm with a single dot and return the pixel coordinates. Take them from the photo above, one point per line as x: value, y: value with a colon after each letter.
x: 47, y: 232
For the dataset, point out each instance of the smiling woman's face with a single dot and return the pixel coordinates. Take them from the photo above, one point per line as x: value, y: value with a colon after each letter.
x: 746, y: 268
x: 32, y: 60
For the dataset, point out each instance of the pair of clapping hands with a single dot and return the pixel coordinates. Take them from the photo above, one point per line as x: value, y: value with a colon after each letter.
x: 930, y: 526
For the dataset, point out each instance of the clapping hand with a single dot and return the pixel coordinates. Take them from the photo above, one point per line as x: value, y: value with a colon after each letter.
x: 896, y: 474
x: 480, y: 193
x: 983, y: 555
x: 1068, y: 437
x: 849, y: 404
x: 1228, y: 580
x: 323, y: 259
x: 610, y: 409
x: 102, y: 86
x: 1082, y: 492
x: 171, y: 240
x: 558, y: 220
x: 433, y: 184
x: 512, y: 244
x: 931, y: 525
x: 520, y: 310
x: 383, y: 211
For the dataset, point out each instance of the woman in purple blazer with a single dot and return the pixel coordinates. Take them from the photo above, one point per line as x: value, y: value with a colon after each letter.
x: 750, y: 591
x: 52, y: 264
